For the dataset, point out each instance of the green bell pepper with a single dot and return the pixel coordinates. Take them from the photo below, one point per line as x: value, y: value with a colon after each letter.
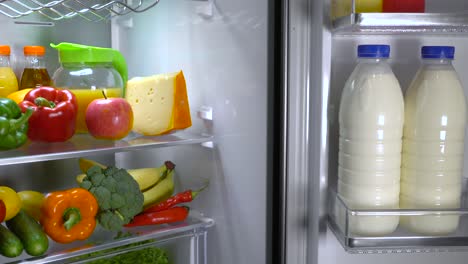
x: 13, y: 124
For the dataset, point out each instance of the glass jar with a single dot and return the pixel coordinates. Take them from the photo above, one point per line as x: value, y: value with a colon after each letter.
x: 89, y: 72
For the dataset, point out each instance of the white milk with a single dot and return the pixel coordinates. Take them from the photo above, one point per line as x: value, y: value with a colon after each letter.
x: 432, y: 159
x: 371, y: 127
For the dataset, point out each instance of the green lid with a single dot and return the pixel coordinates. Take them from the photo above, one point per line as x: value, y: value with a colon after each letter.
x: 73, y: 53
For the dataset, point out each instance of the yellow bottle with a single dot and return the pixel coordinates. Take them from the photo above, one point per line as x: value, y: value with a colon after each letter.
x: 8, y: 81
x: 341, y: 8
x: 369, y: 6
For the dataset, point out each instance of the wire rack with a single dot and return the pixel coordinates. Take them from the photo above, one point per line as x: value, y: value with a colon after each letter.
x: 91, y: 10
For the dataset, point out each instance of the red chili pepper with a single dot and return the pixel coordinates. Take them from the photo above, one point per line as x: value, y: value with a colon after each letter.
x: 171, y: 215
x: 2, y: 211
x: 54, y: 116
x: 183, y: 197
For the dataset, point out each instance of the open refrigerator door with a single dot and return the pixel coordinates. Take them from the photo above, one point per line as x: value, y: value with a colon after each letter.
x: 336, y: 31
x: 222, y: 48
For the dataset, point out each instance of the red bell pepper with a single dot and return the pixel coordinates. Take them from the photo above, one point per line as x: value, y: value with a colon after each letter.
x: 2, y: 211
x: 171, y: 215
x: 54, y: 116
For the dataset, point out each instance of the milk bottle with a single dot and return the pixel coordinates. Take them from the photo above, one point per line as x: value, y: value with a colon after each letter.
x: 433, y: 141
x: 371, y: 127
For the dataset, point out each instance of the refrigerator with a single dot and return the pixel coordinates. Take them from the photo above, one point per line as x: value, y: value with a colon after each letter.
x: 264, y: 81
x: 331, y: 57
x: 223, y: 49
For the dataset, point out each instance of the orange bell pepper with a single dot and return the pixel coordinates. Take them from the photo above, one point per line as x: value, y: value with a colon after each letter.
x: 69, y: 215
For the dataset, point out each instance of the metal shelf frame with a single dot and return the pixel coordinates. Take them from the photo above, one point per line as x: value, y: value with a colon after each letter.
x: 55, y: 10
x: 347, y: 21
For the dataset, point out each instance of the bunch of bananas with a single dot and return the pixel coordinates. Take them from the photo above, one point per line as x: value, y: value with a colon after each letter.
x: 156, y: 184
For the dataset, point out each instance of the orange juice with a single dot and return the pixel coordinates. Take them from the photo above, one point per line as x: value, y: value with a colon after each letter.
x: 86, y: 96
x: 8, y: 81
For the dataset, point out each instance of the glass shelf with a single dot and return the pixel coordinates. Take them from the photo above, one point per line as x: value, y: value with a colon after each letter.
x: 83, y: 144
x: 378, y: 23
x: 350, y: 228
x: 195, y: 227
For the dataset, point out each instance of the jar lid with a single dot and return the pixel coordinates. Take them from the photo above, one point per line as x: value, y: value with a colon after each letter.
x: 5, y: 50
x: 34, y: 50
x: 438, y: 52
x: 373, y: 51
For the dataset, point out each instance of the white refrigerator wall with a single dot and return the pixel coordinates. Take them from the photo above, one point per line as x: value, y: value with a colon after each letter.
x: 45, y: 32
x: 222, y: 48
x: 405, y: 61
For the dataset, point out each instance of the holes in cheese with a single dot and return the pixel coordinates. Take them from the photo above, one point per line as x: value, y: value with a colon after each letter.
x: 159, y: 103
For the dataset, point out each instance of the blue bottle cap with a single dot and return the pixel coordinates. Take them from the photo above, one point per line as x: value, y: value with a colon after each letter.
x: 373, y: 51
x: 438, y: 52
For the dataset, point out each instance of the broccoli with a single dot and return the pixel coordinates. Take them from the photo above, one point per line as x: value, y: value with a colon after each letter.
x: 117, y: 193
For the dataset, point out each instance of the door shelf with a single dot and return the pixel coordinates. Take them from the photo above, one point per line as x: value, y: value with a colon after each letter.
x: 384, y: 23
x: 83, y: 144
x: 344, y: 222
x: 194, y: 228
x: 63, y: 9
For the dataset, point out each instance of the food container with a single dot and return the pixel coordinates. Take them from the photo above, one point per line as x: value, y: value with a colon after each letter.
x: 89, y: 72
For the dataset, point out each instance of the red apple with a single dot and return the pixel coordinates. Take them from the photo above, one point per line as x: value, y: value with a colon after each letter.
x: 109, y: 118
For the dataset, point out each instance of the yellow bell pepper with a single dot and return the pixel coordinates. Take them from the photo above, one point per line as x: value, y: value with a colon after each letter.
x: 31, y: 202
x: 18, y: 96
x: 12, y: 201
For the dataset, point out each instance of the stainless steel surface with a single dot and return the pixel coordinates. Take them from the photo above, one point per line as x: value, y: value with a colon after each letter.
x: 83, y: 144
x: 285, y: 37
x: 301, y: 219
x: 65, y: 9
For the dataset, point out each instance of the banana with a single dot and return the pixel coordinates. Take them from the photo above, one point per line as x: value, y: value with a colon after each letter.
x: 161, y: 191
x: 85, y: 164
x: 148, y: 177
x: 145, y: 177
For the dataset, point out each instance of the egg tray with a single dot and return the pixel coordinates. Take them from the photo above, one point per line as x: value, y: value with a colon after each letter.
x: 90, y: 10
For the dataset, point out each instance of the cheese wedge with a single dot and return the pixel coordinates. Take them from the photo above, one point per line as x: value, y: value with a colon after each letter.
x: 159, y: 103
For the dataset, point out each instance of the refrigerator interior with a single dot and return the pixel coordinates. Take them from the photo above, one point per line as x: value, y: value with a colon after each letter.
x: 222, y: 47
x: 339, y: 59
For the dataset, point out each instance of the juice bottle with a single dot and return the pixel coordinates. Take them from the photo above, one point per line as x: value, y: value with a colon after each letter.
x: 35, y: 73
x: 8, y: 81
x: 433, y: 143
x: 371, y: 128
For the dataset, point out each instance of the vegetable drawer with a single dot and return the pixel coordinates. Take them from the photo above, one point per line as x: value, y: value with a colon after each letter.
x: 183, y: 242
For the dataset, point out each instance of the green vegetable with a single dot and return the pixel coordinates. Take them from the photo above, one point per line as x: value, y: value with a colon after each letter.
x: 30, y: 233
x: 10, y: 244
x: 13, y: 124
x: 117, y: 193
x: 149, y: 255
